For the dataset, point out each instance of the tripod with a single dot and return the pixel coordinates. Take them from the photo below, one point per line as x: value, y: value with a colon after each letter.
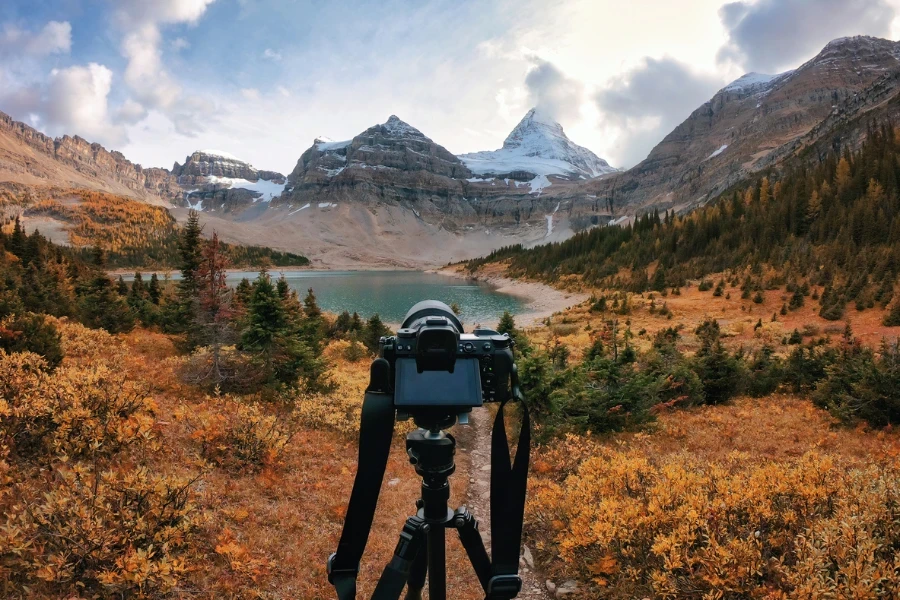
x: 421, y: 550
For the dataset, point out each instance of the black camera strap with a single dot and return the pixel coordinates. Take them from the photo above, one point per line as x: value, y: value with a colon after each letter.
x: 376, y: 432
x: 509, y: 485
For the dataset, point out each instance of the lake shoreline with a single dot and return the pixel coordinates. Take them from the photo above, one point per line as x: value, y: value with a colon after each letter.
x: 541, y: 300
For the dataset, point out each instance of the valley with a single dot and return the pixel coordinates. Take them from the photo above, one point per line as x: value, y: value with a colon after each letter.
x: 708, y: 343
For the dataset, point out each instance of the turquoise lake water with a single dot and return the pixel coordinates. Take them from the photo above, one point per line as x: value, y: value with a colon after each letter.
x: 392, y: 293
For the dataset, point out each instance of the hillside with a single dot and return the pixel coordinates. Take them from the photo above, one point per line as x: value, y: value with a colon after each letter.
x: 759, y: 120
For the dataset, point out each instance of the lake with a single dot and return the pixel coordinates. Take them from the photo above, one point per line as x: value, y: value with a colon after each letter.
x: 392, y: 293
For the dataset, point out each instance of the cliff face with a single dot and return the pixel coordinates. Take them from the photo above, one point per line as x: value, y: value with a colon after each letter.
x: 29, y: 156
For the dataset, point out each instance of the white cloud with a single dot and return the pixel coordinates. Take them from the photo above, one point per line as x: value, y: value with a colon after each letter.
x: 551, y: 91
x: 134, y: 13
x: 644, y: 104
x: 54, y: 38
x: 774, y: 35
x: 76, y: 103
x: 250, y: 93
x: 283, y: 91
x: 131, y: 112
x: 150, y: 83
x: 145, y: 73
x: 179, y: 44
x: 272, y: 55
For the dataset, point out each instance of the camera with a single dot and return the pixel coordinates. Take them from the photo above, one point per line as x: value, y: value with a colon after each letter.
x: 435, y: 365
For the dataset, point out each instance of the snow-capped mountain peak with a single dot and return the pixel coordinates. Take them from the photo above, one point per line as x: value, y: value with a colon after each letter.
x: 538, y: 145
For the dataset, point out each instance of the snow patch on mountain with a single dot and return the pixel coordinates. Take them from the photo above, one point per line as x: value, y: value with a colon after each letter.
x: 720, y: 150
x: 755, y: 82
x: 268, y: 189
x: 538, y: 145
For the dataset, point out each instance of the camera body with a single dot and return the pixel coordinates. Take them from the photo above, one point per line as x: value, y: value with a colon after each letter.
x: 435, y: 365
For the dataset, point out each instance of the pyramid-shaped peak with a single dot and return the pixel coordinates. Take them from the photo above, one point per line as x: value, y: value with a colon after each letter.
x: 397, y: 127
x: 538, y: 145
x: 536, y: 123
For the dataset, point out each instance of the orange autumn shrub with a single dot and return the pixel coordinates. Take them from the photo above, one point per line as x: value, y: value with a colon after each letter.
x: 234, y: 434
x: 680, y: 527
x: 114, y: 533
x: 83, y: 514
x: 340, y: 409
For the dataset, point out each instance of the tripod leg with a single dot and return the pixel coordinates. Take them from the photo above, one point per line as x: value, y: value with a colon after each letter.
x: 467, y: 528
x: 417, y: 575
x: 437, y: 564
x: 396, y: 573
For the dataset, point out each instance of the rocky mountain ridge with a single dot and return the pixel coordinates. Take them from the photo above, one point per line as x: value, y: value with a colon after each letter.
x: 28, y: 156
x: 754, y: 123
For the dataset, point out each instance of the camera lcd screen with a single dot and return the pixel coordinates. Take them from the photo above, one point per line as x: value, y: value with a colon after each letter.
x: 461, y: 388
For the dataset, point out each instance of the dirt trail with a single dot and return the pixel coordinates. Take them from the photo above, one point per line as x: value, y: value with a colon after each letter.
x: 476, y: 442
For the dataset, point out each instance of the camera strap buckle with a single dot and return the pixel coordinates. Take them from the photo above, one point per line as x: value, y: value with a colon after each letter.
x: 339, y: 573
x: 504, y: 587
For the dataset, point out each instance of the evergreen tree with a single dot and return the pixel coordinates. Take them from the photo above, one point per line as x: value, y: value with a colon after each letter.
x: 122, y: 287
x: 243, y: 292
x: 153, y: 290
x: 102, y: 306
x: 507, y: 324
x: 375, y: 329
x: 716, y: 368
x: 275, y: 344
x: 29, y: 332
x: 182, y: 312
x: 18, y: 239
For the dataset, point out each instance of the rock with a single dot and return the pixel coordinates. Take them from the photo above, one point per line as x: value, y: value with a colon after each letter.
x: 567, y: 587
x: 551, y: 587
x: 526, y: 554
x: 394, y: 481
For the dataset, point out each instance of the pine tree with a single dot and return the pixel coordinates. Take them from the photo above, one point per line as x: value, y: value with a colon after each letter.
x: 313, y: 326
x: 892, y: 319
x: 18, y: 239
x: 243, y: 292
x: 153, y: 291
x: 102, y: 306
x: 716, y: 368
x: 122, y: 287
x: 182, y: 313
x: 375, y: 329
x: 272, y: 338
x: 507, y: 324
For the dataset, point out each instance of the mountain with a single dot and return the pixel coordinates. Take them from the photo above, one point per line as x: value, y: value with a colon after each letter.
x: 758, y: 121
x: 215, y: 180
x: 539, y: 146
x: 28, y: 157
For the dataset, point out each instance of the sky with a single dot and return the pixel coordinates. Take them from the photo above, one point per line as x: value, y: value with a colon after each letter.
x: 158, y: 79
